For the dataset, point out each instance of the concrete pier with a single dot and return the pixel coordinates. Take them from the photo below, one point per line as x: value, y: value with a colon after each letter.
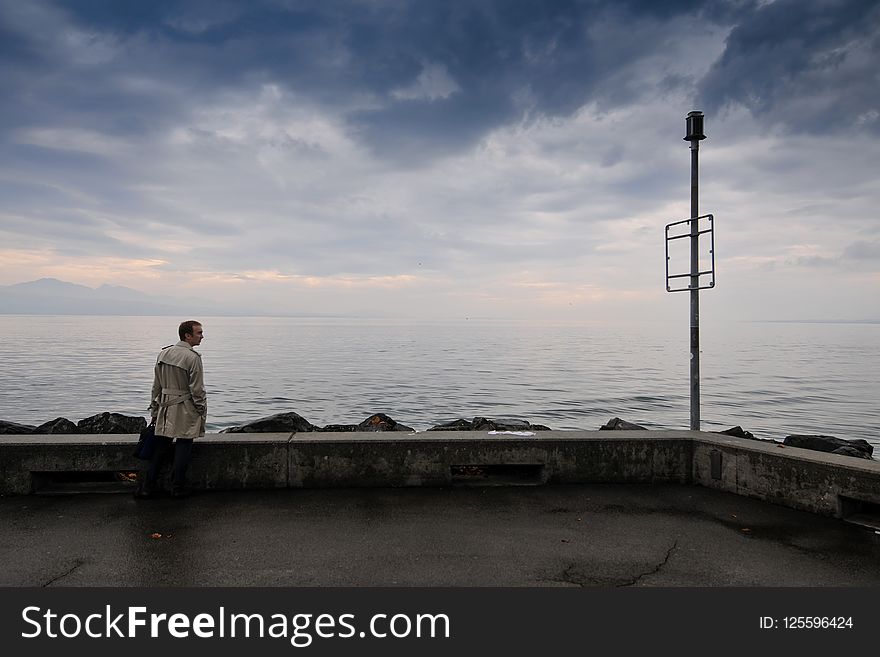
x: 826, y: 484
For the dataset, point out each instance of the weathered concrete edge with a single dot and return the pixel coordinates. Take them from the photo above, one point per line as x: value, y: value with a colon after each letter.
x: 798, y: 478
x: 793, y: 477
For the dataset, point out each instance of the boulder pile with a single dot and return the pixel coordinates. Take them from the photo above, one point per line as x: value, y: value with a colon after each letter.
x: 100, y: 423
x: 292, y: 422
x: 117, y: 423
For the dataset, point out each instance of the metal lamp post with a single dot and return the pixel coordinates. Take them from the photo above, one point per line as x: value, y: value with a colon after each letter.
x: 694, y: 134
x: 689, y: 229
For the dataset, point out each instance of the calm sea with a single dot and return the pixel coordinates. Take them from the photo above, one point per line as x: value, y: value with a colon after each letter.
x: 772, y: 379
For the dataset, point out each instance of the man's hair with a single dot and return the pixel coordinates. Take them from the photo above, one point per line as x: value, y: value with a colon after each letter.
x: 187, y: 327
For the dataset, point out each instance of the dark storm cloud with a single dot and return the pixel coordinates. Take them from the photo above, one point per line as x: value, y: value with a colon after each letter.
x: 504, y: 59
x: 508, y: 60
x: 133, y: 72
x: 810, y: 66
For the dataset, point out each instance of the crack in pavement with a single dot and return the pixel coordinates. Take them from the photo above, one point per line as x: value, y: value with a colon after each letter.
x: 76, y: 564
x: 565, y: 577
x: 655, y: 570
x: 571, y: 576
x: 568, y: 577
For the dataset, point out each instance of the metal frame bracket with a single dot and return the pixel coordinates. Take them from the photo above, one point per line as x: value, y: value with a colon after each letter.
x: 692, y: 235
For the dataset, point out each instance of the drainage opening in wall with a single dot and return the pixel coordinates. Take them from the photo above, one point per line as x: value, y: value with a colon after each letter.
x: 860, y: 512
x: 515, y: 474
x: 65, y: 482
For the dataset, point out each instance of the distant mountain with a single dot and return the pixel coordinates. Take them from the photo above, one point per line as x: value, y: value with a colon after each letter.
x: 50, y: 296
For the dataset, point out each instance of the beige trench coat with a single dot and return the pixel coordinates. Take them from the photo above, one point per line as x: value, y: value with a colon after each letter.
x: 179, y: 401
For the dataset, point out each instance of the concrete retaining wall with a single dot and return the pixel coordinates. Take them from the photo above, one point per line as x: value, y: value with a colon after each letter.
x: 803, y: 479
x: 444, y: 458
x: 798, y: 478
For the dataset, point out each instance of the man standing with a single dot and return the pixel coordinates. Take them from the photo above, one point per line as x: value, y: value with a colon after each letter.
x: 178, y: 406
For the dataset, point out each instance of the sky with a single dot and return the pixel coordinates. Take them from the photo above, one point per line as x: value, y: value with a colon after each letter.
x: 482, y: 158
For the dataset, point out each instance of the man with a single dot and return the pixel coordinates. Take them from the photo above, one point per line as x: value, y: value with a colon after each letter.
x: 178, y: 406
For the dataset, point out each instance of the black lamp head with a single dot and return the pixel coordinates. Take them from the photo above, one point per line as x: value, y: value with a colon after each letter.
x: 694, y: 125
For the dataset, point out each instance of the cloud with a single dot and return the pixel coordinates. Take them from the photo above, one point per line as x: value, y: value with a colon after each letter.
x: 411, y: 80
x: 863, y: 251
x: 813, y: 261
x: 433, y: 83
x: 73, y: 139
x: 807, y: 66
x: 477, y: 156
x: 200, y: 16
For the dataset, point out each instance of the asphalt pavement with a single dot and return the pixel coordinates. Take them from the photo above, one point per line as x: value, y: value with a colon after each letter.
x: 564, y: 536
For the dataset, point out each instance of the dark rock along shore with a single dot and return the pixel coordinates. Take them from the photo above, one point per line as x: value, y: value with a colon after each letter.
x: 117, y: 423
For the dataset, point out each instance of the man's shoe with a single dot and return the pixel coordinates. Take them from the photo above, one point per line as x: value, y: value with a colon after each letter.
x: 181, y: 492
x: 144, y: 495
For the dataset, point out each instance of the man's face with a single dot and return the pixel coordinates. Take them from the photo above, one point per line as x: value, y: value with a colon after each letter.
x: 195, y: 338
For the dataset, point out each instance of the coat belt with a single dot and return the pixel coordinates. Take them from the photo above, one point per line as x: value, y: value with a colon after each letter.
x: 183, y: 395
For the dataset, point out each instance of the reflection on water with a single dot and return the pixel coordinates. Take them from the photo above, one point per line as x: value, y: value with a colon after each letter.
x: 773, y: 379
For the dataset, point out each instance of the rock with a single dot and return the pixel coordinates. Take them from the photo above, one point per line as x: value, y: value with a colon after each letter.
x: 58, y: 425
x: 381, y: 422
x: 616, y: 424
x: 506, y: 424
x: 278, y: 423
x: 14, y: 428
x: 455, y: 425
x: 849, y: 450
x: 111, y: 423
x: 338, y: 428
x: 376, y: 422
x: 738, y: 432
x: 830, y: 444
x: 484, y: 424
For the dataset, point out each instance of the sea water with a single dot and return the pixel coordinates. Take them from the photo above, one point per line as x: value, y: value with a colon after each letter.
x: 773, y: 379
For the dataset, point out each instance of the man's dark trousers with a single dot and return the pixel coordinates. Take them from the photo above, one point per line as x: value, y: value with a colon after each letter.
x: 182, y: 451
